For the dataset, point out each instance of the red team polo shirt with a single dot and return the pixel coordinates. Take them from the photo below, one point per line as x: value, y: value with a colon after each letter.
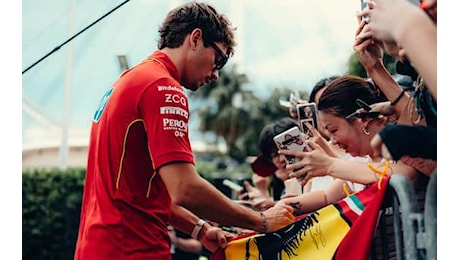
x: 141, y: 124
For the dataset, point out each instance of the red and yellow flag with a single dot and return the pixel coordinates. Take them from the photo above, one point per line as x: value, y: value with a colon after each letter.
x: 342, y: 230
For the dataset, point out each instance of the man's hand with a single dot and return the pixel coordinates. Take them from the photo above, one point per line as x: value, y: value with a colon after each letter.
x: 279, y: 216
x: 214, y: 238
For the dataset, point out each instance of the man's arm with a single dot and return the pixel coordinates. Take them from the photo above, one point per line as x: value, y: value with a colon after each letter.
x: 189, y: 190
x: 211, y: 237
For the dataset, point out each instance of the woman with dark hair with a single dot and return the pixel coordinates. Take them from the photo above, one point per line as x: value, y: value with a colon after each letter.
x: 315, y: 93
x: 350, y: 130
x: 270, y: 154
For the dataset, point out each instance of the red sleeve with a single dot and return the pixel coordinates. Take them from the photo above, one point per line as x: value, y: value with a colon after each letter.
x: 164, y: 107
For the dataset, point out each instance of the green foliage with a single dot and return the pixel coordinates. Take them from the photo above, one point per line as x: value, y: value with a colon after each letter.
x: 205, y: 169
x: 209, y: 170
x: 355, y: 67
x: 235, y: 114
x: 226, y: 112
x: 51, y: 204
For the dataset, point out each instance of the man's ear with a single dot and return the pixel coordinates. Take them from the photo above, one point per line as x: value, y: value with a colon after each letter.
x: 195, y: 36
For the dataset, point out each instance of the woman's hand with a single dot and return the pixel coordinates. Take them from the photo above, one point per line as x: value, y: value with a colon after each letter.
x: 262, y: 203
x: 368, y: 50
x: 385, y: 109
x: 258, y: 201
x: 388, y: 18
x: 312, y: 164
x: 251, y: 192
x: 321, y: 141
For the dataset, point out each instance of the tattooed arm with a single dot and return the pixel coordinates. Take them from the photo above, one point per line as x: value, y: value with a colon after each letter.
x: 311, y: 201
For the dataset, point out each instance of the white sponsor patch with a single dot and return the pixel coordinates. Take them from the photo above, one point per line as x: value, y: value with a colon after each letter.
x: 174, y: 111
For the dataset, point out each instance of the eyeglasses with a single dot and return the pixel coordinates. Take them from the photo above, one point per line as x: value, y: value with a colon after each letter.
x: 221, y: 57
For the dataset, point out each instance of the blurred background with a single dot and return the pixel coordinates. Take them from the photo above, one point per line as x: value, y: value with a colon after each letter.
x: 283, y: 46
x: 74, y: 50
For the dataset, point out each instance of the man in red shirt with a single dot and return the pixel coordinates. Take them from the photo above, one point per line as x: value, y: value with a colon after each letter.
x: 140, y: 173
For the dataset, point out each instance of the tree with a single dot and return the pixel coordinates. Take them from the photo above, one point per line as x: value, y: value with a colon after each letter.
x: 226, y: 110
x: 235, y: 114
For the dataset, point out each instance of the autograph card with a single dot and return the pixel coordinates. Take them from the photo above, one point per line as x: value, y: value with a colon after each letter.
x: 307, y: 114
x: 291, y: 139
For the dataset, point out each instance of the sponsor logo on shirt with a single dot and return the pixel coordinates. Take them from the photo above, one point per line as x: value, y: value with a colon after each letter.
x: 176, y: 99
x: 97, y: 115
x: 170, y: 88
x: 174, y: 111
x: 178, y: 126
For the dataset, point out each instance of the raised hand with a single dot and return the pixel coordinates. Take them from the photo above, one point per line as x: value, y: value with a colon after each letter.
x: 368, y: 50
x: 312, y: 164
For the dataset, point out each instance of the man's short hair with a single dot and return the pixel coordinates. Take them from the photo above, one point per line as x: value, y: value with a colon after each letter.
x: 183, y: 19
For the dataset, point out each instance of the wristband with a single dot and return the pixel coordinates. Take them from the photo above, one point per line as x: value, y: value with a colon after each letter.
x: 397, y: 98
x: 265, y: 223
x: 197, y: 229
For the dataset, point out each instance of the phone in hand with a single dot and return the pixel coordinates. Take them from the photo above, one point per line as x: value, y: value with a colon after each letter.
x: 363, y: 6
x: 232, y: 185
x: 291, y: 139
x: 306, y: 113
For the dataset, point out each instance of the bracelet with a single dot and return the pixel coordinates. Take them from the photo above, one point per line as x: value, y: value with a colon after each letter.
x: 397, y: 98
x: 265, y: 223
x: 197, y: 229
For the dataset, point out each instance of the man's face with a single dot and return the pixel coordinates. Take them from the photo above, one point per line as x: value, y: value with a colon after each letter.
x: 204, y: 65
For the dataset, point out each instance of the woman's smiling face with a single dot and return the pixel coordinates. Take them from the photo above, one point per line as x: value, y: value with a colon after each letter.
x: 347, y: 135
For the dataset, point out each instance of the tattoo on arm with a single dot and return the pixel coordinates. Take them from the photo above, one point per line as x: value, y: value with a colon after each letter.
x: 297, y: 206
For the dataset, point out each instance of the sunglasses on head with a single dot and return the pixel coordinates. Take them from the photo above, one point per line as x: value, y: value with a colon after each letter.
x: 221, y: 57
x: 365, y: 114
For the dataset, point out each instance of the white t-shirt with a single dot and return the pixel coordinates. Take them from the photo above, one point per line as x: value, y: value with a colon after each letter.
x: 353, y: 185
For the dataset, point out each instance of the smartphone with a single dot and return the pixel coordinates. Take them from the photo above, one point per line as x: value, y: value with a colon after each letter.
x: 306, y: 113
x: 232, y: 185
x: 291, y: 139
x: 415, y: 2
x: 363, y: 6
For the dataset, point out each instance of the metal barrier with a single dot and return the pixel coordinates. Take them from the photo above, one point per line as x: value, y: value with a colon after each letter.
x: 406, y: 229
x: 431, y: 218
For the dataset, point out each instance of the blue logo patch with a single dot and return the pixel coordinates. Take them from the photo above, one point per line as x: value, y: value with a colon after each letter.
x: 102, y: 105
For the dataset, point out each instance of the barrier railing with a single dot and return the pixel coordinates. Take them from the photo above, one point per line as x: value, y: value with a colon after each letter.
x: 406, y: 229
